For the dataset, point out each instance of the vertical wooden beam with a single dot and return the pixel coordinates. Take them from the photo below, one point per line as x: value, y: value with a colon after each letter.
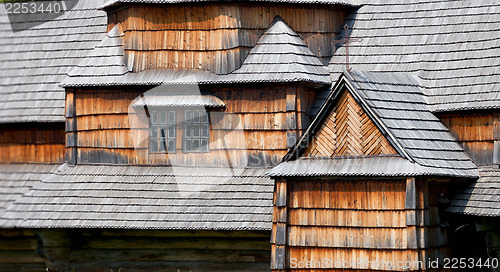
x: 291, y: 116
x: 71, y: 128
x: 279, y: 231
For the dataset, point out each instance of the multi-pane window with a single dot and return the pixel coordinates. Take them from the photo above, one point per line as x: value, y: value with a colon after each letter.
x: 196, y: 131
x: 162, y: 131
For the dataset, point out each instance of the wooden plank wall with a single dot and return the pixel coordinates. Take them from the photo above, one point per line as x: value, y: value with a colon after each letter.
x: 135, y: 250
x: 478, y: 133
x: 218, y: 36
x: 348, y: 131
x: 18, y: 251
x: 254, y: 127
x: 32, y: 143
x: 344, y: 220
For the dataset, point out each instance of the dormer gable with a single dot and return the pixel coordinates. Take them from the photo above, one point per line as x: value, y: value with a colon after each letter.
x: 376, y: 114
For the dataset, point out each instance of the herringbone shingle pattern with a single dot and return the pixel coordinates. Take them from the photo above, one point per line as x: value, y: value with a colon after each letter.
x: 348, y: 131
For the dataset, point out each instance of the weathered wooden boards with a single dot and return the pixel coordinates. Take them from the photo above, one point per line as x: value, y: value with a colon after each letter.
x: 478, y: 133
x: 348, y: 131
x: 34, y: 143
x: 255, y: 128
x: 391, y: 221
x: 216, y: 37
x: 18, y: 251
x: 154, y: 250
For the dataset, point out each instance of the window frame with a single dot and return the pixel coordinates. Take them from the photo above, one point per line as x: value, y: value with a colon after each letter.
x: 201, y: 123
x: 180, y: 124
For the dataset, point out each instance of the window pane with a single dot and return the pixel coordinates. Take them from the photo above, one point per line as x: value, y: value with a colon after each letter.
x: 154, y: 145
x: 162, y: 146
x: 187, y: 145
x: 154, y: 132
x: 195, y: 145
x: 163, y: 117
x: 196, y: 118
x: 204, y: 145
x: 163, y: 132
x: 154, y: 117
x: 196, y: 130
x: 171, y: 145
x: 171, y: 117
x: 204, y: 131
x: 188, y: 116
x: 171, y: 132
x: 204, y: 117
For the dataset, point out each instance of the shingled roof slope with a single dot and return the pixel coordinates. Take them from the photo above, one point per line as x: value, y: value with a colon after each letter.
x: 146, y: 197
x: 33, y: 62
x: 397, y: 105
x: 279, y: 56
x: 480, y: 198
x: 452, y: 46
x: 18, y: 179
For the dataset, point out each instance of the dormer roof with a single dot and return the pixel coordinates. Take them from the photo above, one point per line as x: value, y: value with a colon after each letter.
x: 397, y: 105
x: 280, y: 56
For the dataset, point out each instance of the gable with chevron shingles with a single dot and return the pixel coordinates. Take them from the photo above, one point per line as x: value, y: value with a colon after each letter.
x: 348, y: 131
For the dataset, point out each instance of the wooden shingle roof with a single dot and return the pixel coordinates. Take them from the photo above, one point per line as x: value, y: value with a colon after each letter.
x: 397, y: 104
x: 33, y: 62
x: 18, y: 179
x: 480, y: 198
x: 146, y: 197
x: 452, y: 46
x: 280, y: 56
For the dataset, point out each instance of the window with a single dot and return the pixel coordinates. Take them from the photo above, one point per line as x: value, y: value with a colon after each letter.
x: 196, y: 131
x: 162, y: 131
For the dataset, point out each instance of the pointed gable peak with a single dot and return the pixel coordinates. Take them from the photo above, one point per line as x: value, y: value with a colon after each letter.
x: 282, y: 56
x: 279, y: 26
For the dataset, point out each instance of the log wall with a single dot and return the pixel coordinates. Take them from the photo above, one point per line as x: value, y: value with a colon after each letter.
x: 136, y: 250
x: 216, y: 37
x: 18, y: 251
x: 256, y: 127
x: 32, y: 143
x: 478, y: 133
x: 320, y: 224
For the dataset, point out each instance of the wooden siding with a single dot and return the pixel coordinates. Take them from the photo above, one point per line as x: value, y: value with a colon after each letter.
x: 479, y: 134
x: 32, y: 143
x: 342, y: 220
x: 136, y: 250
x: 216, y: 37
x: 348, y: 131
x: 256, y: 127
x: 18, y: 252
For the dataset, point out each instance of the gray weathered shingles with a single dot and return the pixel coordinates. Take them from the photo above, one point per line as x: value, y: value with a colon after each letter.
x: 380, y: 166
x: 18, y: 179
x: 453, y: 46
x: 325, y: 2
x: 279, y: 56
x: 33, y: 62
x: 397, y: 104
x: 482, y: 197
x: 146, y: 197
